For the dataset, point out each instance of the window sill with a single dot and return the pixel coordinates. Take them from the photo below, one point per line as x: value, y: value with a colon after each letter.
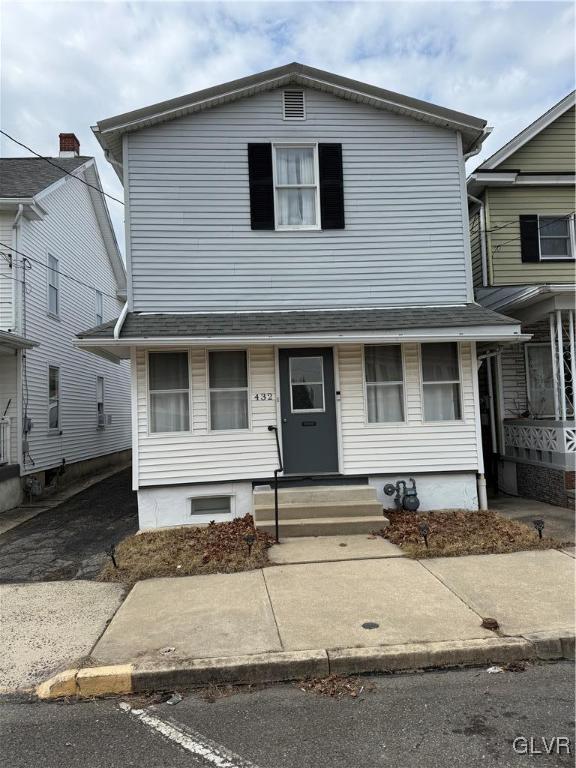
x: 52, y: 316
x: 54, y: 432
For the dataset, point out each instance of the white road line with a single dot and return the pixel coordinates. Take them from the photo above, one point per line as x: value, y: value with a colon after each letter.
x: 214, y: 754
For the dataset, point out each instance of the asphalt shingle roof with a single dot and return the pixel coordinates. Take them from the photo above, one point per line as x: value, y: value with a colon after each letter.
x: 148, y: 325
x: 27, y: 176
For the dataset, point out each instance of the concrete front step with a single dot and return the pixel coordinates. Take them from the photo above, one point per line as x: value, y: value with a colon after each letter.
x: 316, y: 509
x: 324, y: 526
x: 313, y: 494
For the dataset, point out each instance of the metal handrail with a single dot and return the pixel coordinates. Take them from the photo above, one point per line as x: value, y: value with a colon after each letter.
x: 274, y: 429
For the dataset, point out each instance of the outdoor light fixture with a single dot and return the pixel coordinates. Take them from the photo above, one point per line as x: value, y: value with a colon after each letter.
x: 250, y: 539
x: 424, y: 530
x: 111, y: 552
x: 539, y: 525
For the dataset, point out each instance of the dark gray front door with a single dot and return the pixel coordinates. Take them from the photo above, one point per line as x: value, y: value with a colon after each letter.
x: 308, y: 410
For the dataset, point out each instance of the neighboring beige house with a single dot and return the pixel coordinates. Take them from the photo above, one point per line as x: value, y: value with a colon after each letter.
x: 522, y: 207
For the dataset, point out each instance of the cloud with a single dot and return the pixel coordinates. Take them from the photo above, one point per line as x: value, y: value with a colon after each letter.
x: 83, y: 61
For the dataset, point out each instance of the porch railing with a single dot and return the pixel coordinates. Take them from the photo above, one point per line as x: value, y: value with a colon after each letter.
x: 542, y: 440
x: 277, y: 471
x: 4, y: 440
x: 562, y: 335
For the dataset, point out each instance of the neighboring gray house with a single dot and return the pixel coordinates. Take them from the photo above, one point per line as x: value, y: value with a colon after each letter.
x: 298, y: 260
x: 63, y: 412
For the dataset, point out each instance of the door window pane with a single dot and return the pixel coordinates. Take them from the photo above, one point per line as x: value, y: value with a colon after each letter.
x: 228, y: 381
x: 169, y: 391
x: 441, y: 381
x: 307, y: 383
x: 540, y: 379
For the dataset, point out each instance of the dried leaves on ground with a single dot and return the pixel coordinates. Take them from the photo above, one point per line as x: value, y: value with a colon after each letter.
x: 188, y: 551
x: 461, y: 533
x: 336, y: 686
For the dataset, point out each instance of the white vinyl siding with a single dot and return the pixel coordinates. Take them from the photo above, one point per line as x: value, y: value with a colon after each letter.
x: 189, y: 232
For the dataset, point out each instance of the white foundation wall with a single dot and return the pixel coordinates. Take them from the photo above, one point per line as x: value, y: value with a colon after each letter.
x: 170, y: 506
x: 436, y: 490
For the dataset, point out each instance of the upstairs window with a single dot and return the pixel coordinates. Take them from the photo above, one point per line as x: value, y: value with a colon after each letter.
x: 169, y: 391
x: 556, y: 237
x: 228, y: 382
x: 99, y: 308
x: 384, y: 383
x: 53, y: 286
x: 441, y: 382
x: 296, y: 186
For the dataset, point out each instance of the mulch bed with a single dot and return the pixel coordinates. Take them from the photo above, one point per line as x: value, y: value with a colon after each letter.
x: 457, y: 533
x: 189, y: 551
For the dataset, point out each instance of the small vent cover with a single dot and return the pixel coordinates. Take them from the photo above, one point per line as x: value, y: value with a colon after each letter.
x: 294, y: 105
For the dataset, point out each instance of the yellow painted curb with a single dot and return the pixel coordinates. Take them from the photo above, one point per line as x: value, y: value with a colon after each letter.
x: 103, y: 681
x: 62, y: 684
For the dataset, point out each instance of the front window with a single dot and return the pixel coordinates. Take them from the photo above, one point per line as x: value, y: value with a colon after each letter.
x: 53, y: 397
x: 53, y: 286
x: 307, y: 384
x: 228, y: 381
x: 539, y: 380
x: 556, y: 237
x: 168, y: 384
x: 441, y: 381
x: 384, y: 383
x: 296, y: 187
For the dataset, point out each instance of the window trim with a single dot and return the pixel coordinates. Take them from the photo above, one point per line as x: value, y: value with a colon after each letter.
x: 99, y: 306
x: 52, y: 271
x: 247, y: 388
x: 537, y: 344
x: 275, y: 186
x: 149, y: 392
x: 462, y: 419
x: 571, y: 238
x: 55, y: 430
x: 365, y: 384
x: 323, y: 383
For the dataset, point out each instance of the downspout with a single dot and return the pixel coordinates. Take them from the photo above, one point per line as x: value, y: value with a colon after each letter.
x: 16, y: 228
x: 120, y: 321
x: 482, y: 239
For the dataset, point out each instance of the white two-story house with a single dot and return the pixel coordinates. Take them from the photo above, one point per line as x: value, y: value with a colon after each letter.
x: 63, y: 413
x: 298, y: 266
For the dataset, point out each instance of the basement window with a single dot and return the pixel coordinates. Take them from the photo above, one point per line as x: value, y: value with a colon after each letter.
x: 293, y: 106
x: 211, y: 505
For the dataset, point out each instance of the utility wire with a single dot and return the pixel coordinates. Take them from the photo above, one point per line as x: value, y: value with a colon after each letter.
x: 552, y: 221
x: 51, y: 162
x: 59, y: 272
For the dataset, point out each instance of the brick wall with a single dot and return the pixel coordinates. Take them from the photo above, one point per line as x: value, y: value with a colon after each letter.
x: 545, y: 484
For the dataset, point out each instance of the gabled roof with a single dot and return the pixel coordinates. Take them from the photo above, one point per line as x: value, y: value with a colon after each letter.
x: 528, y: 133
x: 109, y: 132
x: 25, y: 177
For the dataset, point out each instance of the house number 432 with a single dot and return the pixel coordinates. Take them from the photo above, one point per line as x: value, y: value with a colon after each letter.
x: 264, y: 396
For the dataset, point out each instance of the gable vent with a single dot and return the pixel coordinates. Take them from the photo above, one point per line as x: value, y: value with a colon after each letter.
x: 294, y: 105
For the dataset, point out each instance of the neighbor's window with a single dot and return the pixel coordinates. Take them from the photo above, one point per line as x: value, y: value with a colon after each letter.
x: 556, y: 237
x: 99, y: 312
x: 100, y: 400
x: 441, y: 381
x: 210, y: 505
x: 296, y: 187
x: 53, y: 397
x: 539, y: 379
x: 53, y: 286
x: 228, y: 381
x: 384, y: 383
x: 169, y: 391
x: 307, y: 384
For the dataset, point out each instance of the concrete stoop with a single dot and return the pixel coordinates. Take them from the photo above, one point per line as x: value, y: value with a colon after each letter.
x: 320, y: 510
x: 145, y: 677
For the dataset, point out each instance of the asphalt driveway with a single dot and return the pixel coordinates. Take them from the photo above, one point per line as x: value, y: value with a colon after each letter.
x: 70, y: 541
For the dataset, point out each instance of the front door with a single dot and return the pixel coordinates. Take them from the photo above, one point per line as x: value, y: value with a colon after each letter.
x: 308, y: 411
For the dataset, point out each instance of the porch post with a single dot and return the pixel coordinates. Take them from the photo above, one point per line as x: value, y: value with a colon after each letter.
x: 554, y: 366
x: 561, y: 381
x: 572, y: 359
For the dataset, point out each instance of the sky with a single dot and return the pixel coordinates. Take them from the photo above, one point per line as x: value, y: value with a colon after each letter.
x: 506, y: 62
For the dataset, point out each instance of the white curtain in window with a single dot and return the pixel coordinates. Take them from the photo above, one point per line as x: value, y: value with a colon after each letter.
x: 297, y: 207
x: 169, y: 411
x: 384, y: 402
x: 229, y: 409
x: 295, y: 165
x: 441, y: 402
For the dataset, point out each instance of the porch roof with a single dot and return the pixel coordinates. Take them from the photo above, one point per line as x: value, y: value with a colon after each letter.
x: 466, y: 321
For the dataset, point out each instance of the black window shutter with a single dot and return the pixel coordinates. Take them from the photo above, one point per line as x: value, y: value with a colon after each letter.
x: 261, y: 186
x: 331, y: 186
x: 529, y: 241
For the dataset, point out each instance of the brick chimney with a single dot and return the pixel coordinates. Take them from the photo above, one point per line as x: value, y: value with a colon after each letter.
x: 69, y: 145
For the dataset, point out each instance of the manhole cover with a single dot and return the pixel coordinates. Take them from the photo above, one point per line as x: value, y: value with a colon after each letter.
x: 370, y: 625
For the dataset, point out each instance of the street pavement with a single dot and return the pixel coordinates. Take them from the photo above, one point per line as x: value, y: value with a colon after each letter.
x: 434, y: 720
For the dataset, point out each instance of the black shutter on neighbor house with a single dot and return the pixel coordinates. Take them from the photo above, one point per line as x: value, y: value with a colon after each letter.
x: 261, y: 186
x: 529, y: 241
x: 331, y: 186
